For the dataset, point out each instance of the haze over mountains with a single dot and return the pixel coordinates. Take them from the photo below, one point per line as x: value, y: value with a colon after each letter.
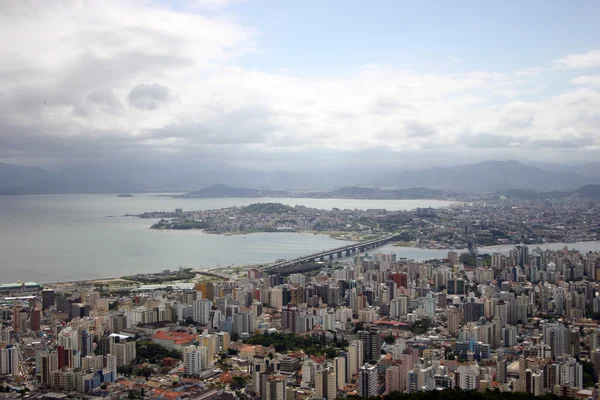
x: 488, y: 176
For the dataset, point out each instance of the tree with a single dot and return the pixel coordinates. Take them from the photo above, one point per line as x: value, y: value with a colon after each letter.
x: 238, y: 382
x: 331, y: 352
x: 389, y: 339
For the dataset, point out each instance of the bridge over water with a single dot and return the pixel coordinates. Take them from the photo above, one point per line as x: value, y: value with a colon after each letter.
x: 281, y: 266
x: 343, y: 251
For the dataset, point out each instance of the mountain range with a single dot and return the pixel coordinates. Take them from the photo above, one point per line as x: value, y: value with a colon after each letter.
x: 487, y: 176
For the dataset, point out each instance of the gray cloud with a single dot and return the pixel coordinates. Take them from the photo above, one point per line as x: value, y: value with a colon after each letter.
x: 147, y: 96
x: 488, y: 140
x: 565, y: 143
x: 103, y: 100
x: 419, y: 130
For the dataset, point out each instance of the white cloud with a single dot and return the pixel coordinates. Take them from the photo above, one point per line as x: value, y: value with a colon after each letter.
x: 587, y: 80
x: 211, y: 4
x: 590, y: 59
x: 143, y: 76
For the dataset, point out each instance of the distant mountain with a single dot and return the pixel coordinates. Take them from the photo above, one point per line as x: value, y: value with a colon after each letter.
x: 487, y: 176
x: 357, y: 192
x: 590, y: 170
x: 221, y: 191
x: 15, y: 175
x: 589, y: 191
x: 210, y: 178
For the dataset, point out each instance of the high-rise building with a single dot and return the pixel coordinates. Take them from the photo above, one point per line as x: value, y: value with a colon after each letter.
x: 244, y: 322
x: 355, y: 357
x: 47, y: 298
x: 201, y: 311
x: 36, y: 319
x: 211, y: 342
x: 224, y: 341
x: 510, y: 336
x: 392, y: 379
x: 325, y: 384
x: 372, y: 341
x: 454, y: 320
x: 276, y: 298
x: 9, y: 361
x: 273, y: 388
x: 367, y: 381
x: 48, y: 364
x: 87, y: 343
x: 501, y: 370
x: 339, y: 368
x: 288, y: 318
x: 195, y: 359
x: 467, y: 377
x: 123, y: 349
x: 557, y: 336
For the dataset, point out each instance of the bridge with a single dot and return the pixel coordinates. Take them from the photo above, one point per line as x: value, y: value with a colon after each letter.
x: 343, y: 251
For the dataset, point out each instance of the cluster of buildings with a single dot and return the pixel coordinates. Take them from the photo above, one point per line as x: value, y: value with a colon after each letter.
x: 522, y: 321
x: 274, y: 217
x: 494, y: 221
x: 497, y: 222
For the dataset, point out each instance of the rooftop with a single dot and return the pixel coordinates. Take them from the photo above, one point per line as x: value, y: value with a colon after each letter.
x: 177, y: 337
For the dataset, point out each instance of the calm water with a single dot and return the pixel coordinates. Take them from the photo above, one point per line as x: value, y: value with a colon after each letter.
x: 47, y: 238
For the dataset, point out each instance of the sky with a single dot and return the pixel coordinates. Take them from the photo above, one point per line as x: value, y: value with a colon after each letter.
x: 285, y: 85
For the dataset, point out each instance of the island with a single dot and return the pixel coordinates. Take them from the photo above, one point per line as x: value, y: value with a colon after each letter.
x: 272, y: 217
x: 125, y: 195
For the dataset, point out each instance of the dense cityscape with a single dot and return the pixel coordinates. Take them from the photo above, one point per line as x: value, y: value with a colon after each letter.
x: 493, y: 222
x: 526, y: 321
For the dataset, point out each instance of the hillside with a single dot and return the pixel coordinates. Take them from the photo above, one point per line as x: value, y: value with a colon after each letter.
x: 221, y: 191
x: 487, y: 176
x: 357, y: 192
x: 589, y: 191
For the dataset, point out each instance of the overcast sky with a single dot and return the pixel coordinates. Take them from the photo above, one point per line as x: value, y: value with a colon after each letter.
x: 277, y: 84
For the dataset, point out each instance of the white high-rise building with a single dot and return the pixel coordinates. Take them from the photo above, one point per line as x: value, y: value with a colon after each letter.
x: 329, y: 321
x: 467, y: 377
x: 571, y: 373
x: 308, y: 373
x: 122, y: 349
x: 195, y: 359
x: 68, y: 339
x: 201, y: 311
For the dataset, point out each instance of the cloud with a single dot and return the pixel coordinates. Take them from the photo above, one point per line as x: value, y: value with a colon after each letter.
x: 590, y: 59
x: 490, y: 141
x: 454, y: 60
x: 88, y: 81
x: 587, y: 80
x: 100, y: 100
x: 147, y: 96
x: 212, y: 4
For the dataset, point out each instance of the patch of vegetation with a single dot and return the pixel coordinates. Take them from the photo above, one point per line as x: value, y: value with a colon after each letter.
x: 153, y: 352
x: 180, y: 224
x: 284, y: 342
x: 268, y: 208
